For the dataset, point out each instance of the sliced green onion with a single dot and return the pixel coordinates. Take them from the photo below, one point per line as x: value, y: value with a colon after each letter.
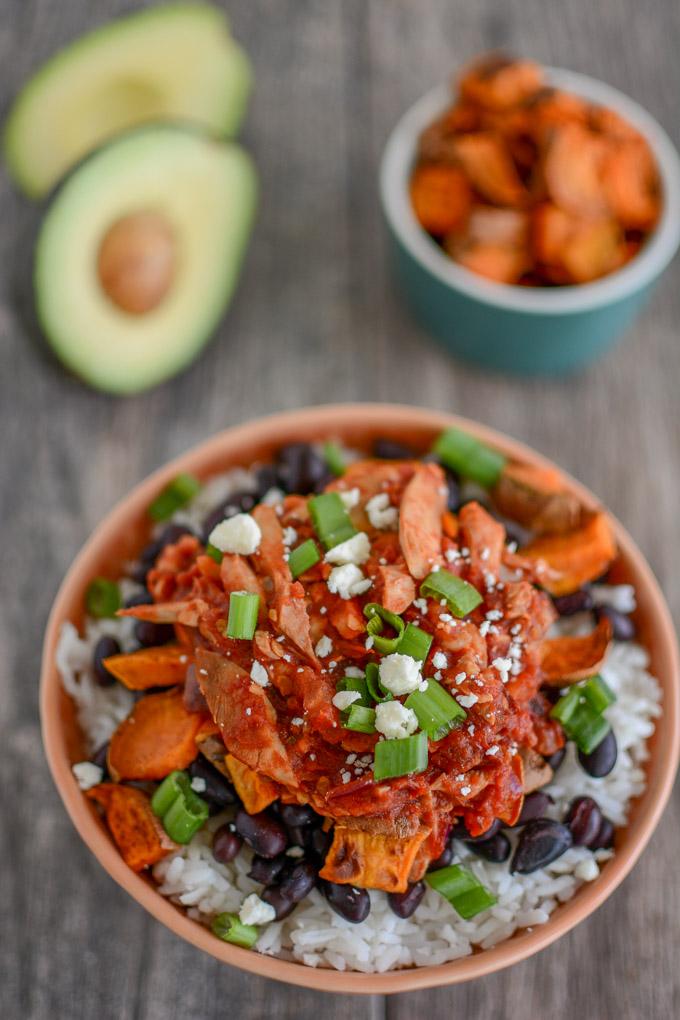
x: 415, y: 642
x: 330, y: 519
x: 462, y: 889
x: 373, y: 684
x: 177, y: 494
x: 580, y: 713
x: 214, y: 553
x: 228, y: 928
x: 436, y: 710
x: 181, y: 811
x: 335, y: 458
x: 360, y: 718
x: 377, y: 618
x: 303, y: 557
x: 401, y: 757
x: 358, y: 684
x: 243, y: 610
x: 470, y: 458
x: 461, y: 597
x: 102, y: 597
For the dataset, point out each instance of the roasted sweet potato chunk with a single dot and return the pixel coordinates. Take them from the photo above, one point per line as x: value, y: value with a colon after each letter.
x: 576, y: 557
x: 372, y: 860
x: 165, y: 666
x: 566, y: 660
x: 497, y: 82
x: 137, y: 832
x: 489, y: 168
x: 158, y: 736
x: 441, y: 197
x: 536, y: 498
x: 257, y: 792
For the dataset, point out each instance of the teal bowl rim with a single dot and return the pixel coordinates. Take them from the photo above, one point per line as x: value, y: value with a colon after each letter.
x: 395, y: 169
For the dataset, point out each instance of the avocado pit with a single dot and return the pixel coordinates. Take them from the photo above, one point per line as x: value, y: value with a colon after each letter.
x: 137, y: 261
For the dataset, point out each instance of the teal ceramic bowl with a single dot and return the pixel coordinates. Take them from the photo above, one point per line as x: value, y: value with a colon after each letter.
x: 524, y: 330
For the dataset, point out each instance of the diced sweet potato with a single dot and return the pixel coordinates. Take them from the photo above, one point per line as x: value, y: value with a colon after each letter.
x: 576, y: 557
x: 501, y: 264
x: 137, y: 832
x: 567, y: 660
x: 573, y: 249
x: 158, y: 736
x: 441, y: 197
x: 490, y: 170
x: 536, y: 498
x: 496, y: 82
x: 150, y: 667
x: 572, y: 170
x: 257, y: 792
x: 505, y: 227
x: 630, y: 178
x: 372, y: 860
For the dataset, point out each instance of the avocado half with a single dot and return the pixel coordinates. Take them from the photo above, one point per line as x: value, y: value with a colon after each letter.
x: 139, y: 253
x: 176, y: 62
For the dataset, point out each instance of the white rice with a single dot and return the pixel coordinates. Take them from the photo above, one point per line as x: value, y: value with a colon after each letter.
x: 314, y: 934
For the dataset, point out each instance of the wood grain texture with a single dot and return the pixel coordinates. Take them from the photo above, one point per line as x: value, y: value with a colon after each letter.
x: 316, y: 319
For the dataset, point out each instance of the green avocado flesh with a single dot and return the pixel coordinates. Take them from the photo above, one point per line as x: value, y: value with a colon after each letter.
x: 175, y: 62
x: 206, y: 193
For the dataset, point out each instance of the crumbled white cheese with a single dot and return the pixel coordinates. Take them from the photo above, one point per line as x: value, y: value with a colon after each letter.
x: 493, y: 750
x: 297, y: 721
x: 295, y: 851
x: 421, y: 605
x: 400, y: 674
x: 354, y: 672
x: 467, y: 700
x: 350, y: 498
x: 87, y: 774
x: 198, y: 784
x: 256, y: 911
x: 343, y: 699
x: 459, y: 677
x: 259, y: 674
x: 394, y: 720
x: 465, y: 790
x: 324, y: 647
x: 289, y: 536
x: 503, y: 666
x: 382, y: 516
x: 347, y: 581
x: 355, y: 550
x: 439, y: 660
x: 484, y: 628
x: 619, y: 596
x: 238, y: 534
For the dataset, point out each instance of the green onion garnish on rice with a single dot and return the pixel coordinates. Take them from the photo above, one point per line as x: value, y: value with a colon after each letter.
x: 462, y: 889
x: 174, y: 496
x: 436, y: 710
x: 468, y: 457
x: 402, y: 757
x: 243, y: 610
x: 461, y: 597
x: 102, y: 598
x: 303, y: 557
x: 580, y: 711
x: 330, y: 519
x: 181, y: 811
x: 228, y: 928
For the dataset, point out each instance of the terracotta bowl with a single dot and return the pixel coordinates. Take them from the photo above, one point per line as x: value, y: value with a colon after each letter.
x: 120, y: 536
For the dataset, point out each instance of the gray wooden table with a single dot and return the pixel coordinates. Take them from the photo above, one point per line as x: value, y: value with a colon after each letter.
x: 316, y: 319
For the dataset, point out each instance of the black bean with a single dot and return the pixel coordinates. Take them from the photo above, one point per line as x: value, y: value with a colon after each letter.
x: 578, y: 602
x: 602, y: 760
x: 299, y: 881
x: 267, y: 870
x: 298, y: 815
x: 267, y: 478
x: 319, y: 843
x: 100, y: 758
x: 172, y: 533
x: 389, y: 449
x: 142, y: 597
x: 194, y: 699
x: 150, y: 634
x: 226, y: 844
x: 105, y: 647
x: 623, y: 628
x: 351, y: 903
x: 218, y: 790
x: 263, y: 833
x: 274, y: 897
x: 297, y: 835
x: 460, y: 832
x: 301, y: 469
x: 444, y: 859
x: 605, y: 837
x: 452, y: 490
x: 541, y: 841
x: 496, y: 850
x: 513, y: 534
x: 535, y: 806
x: 555, y: 760
x: 404, y: 904
x: 584, y: 818
x: 239, y: 502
